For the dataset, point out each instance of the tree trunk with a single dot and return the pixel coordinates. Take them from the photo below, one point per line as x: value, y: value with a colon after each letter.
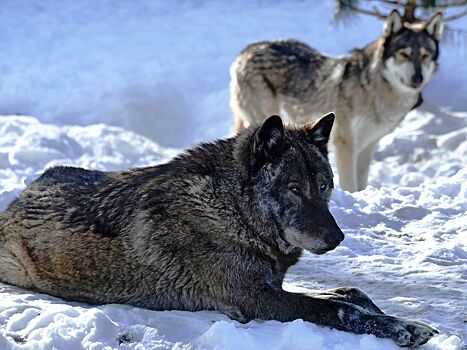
x: 409, y: 11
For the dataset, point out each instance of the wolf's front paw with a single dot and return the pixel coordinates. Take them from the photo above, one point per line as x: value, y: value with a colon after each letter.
x: 411, y: 333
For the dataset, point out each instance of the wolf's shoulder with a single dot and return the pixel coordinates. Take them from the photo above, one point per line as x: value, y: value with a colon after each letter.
x: 68, y: 174
x: 284, y: 47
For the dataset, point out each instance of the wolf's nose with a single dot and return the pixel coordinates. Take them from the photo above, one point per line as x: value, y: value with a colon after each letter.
x: 417, y: 79
x: 334, y: 237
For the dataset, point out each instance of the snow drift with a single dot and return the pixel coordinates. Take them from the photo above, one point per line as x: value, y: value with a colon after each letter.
x: 405, y: 246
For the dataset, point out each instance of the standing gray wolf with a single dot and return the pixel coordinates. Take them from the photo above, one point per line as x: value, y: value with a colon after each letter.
x: 370, y: 90
x: 214, y: 229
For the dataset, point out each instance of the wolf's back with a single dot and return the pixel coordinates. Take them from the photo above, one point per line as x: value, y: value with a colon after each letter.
x: 280, y: 64
x: 54, y: 194
x: 54, y: 238
x: 64, y: 174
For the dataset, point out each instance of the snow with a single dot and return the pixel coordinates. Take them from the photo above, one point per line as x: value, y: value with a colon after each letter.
x: 405, y: 246
x: 138, y: 64
x: 162, y: 71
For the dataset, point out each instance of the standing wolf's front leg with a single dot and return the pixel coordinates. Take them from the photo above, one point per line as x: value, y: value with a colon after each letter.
x: 363, y: 165
x: 346, y: 160
x: 275, y: 304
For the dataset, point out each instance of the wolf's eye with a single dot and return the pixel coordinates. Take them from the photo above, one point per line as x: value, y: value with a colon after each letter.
x: 294, y: 189
x: 323, y: 187
x: 404, y: 55
x: 425, y: 56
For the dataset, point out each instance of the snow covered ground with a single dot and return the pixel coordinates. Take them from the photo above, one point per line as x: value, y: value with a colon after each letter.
x: 162, y: 70
x: 138, y: 64
x: 405, y: 245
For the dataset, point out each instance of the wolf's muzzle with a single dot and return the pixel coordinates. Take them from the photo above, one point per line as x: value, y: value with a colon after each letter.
x: 332, y: 234
x: 334, y: 237
x: 416, y: 79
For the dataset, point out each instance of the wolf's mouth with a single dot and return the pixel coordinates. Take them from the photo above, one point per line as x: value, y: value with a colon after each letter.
x: 411, y: 85
x: 324, y: 250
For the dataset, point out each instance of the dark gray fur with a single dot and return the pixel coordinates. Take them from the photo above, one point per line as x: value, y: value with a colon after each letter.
x: 214, y: 229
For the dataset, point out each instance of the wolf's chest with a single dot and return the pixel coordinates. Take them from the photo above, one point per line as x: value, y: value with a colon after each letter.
x: 367, y: 130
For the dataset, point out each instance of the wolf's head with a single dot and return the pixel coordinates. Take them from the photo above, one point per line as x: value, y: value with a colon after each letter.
x: 290, y: 182
x: 410, y: 53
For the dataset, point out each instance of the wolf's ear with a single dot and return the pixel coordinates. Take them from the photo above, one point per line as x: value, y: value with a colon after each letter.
x: 268, y: 140
x: 434, y: 26
x: 393, y: 23
x: 319, y: 133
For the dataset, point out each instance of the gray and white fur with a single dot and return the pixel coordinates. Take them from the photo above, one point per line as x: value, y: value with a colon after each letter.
x: 370, y: 90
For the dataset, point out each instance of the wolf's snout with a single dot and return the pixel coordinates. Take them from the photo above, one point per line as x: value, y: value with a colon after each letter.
x: 334, y: 237
x: 331, y: 232
x: 417, y: 79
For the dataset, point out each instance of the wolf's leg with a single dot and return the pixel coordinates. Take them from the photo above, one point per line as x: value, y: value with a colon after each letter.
x: 351, y: 295
x: 268, y: 303
x: 346, y: 163
x: 15, y: 266
x: 363, y: 165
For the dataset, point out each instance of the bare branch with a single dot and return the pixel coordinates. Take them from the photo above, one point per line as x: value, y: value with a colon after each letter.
x: 390, y: 2
x: 456, y: 16
x: 409, y: 10
x: 374, y: 13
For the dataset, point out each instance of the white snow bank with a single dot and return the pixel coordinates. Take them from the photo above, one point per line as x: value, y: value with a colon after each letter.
x: 158, y: 67
x: 37, y: 321
x: 27, y: 147
x: 405, y: 246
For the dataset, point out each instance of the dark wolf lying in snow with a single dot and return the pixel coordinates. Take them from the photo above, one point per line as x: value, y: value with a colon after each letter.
x: 214, y: 229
